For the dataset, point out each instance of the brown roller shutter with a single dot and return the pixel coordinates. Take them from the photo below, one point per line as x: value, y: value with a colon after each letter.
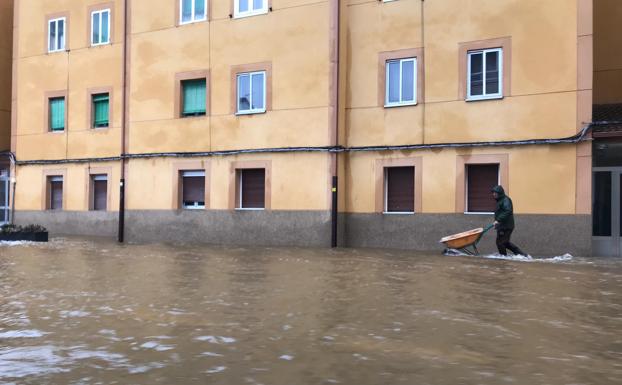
x: 253, y: 184
x: 400, y: 189
x: 56, y: 194
x: 100, y: 194
x: 193, y: 191
x: 481, y: 178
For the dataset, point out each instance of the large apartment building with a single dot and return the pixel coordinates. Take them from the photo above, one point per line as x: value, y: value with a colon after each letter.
x: 303, y: 122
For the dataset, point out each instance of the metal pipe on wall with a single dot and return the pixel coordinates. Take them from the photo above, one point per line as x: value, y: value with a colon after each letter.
x: 121, y: 229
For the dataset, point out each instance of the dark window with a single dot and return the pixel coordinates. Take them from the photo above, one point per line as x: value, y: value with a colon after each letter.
x: 400, y: 189
x: 193, y: 189
x: 55, y: 192
x: 252, y: 187
x: 601, y: 210
x: 100, y: 192
x: 481, y: 178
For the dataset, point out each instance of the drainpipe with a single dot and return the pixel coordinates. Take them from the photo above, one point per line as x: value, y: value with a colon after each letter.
x: 121, y: 230
x: 334, y: 36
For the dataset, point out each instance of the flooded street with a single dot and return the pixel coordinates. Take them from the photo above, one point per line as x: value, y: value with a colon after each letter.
x: 78, y: 311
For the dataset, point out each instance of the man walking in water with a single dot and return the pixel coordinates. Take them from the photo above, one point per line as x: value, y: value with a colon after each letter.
x: 504, y: 222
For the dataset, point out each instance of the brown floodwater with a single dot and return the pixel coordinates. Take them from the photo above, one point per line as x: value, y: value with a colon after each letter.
x: 84, y: 311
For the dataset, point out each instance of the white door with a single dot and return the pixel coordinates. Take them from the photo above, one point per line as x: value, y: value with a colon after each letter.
x: 607, y: 211
x: 4, y: 196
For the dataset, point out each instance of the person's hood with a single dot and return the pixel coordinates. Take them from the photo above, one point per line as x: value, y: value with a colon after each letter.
x: 500, y: 191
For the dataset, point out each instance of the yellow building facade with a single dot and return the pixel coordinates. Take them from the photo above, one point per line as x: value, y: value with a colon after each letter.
x: 250, y: 122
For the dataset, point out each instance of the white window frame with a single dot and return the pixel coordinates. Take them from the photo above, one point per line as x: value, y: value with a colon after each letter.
x: 194, y: 173
x: 100, y: 12
x: 386, y: 90
x: 386, y: 195
x: 4, y: 200
x: 484, y: 95
x: 194, y: 18
x: 64, y: 39
x: 250, y: 110
x: 240, y: 188
x: 466, y: 187
x: 251, y: 12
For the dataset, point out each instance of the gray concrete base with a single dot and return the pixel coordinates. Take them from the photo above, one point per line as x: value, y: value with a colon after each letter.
x: 259, y: 228
x: 536, y: 234
x: 542, y: 235
x: 99, y: 223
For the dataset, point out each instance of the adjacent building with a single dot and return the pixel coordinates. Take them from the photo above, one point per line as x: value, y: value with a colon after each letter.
x: 305, y: 122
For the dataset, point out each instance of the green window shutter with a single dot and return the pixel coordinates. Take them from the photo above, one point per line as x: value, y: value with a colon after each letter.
x: 101, y: 110
x: 57, y: 114
x: 193, y: 97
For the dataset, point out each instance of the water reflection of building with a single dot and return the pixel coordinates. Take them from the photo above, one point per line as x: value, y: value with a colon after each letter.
x: 229, y: 122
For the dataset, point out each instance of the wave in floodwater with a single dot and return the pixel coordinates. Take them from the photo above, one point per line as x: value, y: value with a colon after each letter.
x: 517, y: 258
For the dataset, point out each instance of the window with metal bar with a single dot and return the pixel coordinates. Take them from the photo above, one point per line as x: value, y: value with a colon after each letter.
x: 55, y: 193
x: 99, y: 185
x: 193, y: 189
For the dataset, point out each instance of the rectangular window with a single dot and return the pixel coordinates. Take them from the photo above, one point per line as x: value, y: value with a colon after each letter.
x: 252, y: 188
x: 100, y: 27
x: 100, y: 192
x: 57, y: 114
x: 251, y: 92
x: 244, y: 8
x: 191, y: 11
x: 101, y: 110
x: 399, y: 189
x: 55, y: 193
x: 193, y: 189
x: 56, y: 34
x: 193, y: 97
x: 401, y: 82
x: 485, y: 74
x: 481, y: 178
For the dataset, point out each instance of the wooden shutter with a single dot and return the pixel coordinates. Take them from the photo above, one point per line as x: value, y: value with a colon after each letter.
x: 253, y: 185
x: 100, y: 194
x: 400, y: 189
x: 481, y: 178
x: 193, y: 189
x: 56, y: 194
x: 57, y: 114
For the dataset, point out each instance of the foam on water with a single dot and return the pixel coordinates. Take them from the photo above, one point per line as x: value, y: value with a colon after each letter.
x: 516, y: 258
x: 15, y: 243
x: 21, y: 334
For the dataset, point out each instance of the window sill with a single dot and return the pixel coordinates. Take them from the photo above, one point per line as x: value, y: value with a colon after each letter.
x: 478, y: 213
x: 58, y: 51
x: 398, y: 212
x: 192, y: 22
x: 100, y: 128
x: 248, y: 209
x: 482, y: 98
x: 405, y: 104
x: 249, y: 14
x: 193, y: 208
x: 254, y: 112
x: 193, y: 116
x: 100, y: 44
x: 56, y: 131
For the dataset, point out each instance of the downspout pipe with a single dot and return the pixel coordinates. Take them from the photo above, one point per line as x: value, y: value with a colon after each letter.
x: 121, y: 229
x: 334, y: 37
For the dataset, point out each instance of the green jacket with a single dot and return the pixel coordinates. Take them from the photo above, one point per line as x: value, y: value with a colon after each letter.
x: 504, y: 213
